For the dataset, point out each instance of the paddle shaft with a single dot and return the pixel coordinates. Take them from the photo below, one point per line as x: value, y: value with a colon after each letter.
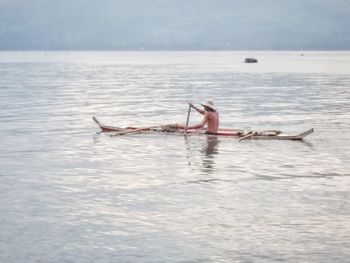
x: 188, y: 118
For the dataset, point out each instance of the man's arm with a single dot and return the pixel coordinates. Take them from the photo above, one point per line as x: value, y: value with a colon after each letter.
x: 197, y: 109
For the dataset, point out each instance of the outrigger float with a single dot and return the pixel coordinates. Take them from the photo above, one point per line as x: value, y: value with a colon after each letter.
x: 237, y: 133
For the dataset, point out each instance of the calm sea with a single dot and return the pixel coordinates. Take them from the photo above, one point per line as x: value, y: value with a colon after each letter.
x: 71, y: 194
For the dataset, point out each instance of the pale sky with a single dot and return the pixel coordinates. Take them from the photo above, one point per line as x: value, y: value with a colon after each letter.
x: 175, y: 24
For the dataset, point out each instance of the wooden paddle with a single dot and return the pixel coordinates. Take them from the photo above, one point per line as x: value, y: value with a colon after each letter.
x: 188, y: 118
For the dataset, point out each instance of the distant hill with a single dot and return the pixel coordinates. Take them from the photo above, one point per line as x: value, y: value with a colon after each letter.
x: 174, y: 24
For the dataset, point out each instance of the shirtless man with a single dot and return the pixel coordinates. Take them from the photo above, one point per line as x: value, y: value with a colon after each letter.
x: 211, y: 118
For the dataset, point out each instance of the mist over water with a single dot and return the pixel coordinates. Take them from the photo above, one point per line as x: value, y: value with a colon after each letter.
x: 71, y: 194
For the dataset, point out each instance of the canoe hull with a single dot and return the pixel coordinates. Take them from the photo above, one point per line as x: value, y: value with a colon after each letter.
x: 106, y: 128
x: 239, y: 134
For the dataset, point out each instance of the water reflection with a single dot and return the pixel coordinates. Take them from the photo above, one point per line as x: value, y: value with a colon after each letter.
x: 309, y: 144
x: 209, y: 151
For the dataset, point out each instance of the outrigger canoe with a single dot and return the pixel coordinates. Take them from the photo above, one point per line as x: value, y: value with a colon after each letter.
x: 239, y: 134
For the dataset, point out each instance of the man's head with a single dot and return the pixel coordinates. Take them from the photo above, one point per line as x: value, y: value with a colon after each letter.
x: 208, y: 106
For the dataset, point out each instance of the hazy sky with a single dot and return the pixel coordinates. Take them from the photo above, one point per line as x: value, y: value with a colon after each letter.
x: 175, y: 24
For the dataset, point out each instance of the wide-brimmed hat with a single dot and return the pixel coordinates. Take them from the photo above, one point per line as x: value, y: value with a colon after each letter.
x: 209, y: 104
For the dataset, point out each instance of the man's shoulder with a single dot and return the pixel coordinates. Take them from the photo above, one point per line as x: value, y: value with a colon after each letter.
x: 211, y: 114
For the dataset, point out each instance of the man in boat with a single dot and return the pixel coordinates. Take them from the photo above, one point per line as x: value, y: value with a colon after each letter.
x: 211, y: 118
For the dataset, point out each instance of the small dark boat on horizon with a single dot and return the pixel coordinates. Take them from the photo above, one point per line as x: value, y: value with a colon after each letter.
x: 250, y: 60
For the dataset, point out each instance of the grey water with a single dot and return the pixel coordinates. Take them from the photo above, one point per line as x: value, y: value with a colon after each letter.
x: 71, y: 194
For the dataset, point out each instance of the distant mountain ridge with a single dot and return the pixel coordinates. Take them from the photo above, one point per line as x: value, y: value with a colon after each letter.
x: 174, y: 25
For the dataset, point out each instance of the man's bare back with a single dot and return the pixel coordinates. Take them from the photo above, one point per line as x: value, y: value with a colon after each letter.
x: 212, y: 118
